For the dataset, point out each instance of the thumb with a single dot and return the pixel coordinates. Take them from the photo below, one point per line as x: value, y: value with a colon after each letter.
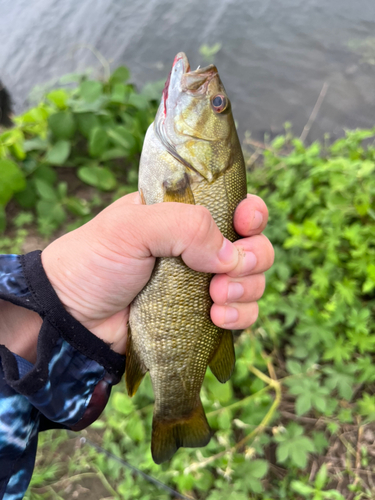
x: 174, y: 229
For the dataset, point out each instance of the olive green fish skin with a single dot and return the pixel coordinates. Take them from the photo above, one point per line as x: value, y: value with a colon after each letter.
x: 171, y: 331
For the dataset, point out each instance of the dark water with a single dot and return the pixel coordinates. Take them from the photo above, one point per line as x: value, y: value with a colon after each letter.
x: 275, y: 55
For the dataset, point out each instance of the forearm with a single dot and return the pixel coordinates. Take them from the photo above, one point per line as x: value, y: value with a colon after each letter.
x: 19, y: 328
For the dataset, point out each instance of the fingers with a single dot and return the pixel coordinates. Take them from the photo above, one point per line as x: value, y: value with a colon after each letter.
x: 236, y: 318
x: 225, y: 290
x: 131, y: 199
x: 174, y: 229
x: 251, y: 216
x: 256, y: 256
x: 235, y: 300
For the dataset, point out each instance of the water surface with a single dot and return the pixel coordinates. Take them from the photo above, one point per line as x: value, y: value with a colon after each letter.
x: 275, y: 55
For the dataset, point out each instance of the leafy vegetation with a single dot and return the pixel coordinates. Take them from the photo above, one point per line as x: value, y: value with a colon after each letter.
x: 296, y: 419
x: 88, y: 135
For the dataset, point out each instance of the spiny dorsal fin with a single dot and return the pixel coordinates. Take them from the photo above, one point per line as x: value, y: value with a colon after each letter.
x: 135, y: 370
x: 224, y: 359
x: 191, y: 431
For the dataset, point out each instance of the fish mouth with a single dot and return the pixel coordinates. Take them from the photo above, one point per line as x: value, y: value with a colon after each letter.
x: 181, y: 79
x: 191, y: 81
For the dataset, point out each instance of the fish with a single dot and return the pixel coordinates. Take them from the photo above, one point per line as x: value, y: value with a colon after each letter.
x: 191, y: 154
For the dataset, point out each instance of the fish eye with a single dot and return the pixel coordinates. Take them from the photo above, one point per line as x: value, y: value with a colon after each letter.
x: 219, y: 103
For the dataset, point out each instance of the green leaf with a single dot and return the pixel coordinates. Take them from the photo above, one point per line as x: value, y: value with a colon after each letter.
x: 59, y: 153
x: 121, y: 74
x: 62, y: 125
x: 121, y: 137
x: 122, y: 403
x: 12, y: 180
x: 77, y: 206
x: 139, y: 101
x: 135, y: 428
x: 301, y: 488
x: 58, y: 97
x: 293, y: 445
x: 99, y: 177
x: 221, y: 392
x: 27, y: 198
x: 45, y: 190
x: 90, y: 90
x: 51, y: 211
x: 98, y: 141
x: 119, y: 93
x: 321, y: 477
x: 86, y: 123
x: 35, y: 144
x: 113, y: 153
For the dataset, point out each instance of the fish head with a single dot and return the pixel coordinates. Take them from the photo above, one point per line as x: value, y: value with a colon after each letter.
x: 194, y: 120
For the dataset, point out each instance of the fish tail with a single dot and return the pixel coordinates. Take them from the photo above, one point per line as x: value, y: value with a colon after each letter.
x: 168, y: 435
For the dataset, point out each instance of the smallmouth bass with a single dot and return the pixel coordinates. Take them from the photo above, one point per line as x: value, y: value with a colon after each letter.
x: 191, y: 154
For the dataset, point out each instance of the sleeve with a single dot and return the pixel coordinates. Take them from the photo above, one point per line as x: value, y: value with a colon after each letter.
x: 69, y: 385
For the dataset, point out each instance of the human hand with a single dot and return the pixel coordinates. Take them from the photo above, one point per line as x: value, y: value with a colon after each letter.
x: 98, y: 269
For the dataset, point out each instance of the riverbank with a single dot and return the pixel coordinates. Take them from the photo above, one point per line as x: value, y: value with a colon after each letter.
x: 297, y: 418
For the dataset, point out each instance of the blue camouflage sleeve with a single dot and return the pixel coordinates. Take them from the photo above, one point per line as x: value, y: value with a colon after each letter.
x: 68, y: 387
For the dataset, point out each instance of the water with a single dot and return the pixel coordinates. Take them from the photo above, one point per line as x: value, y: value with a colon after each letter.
x: 275, y: 55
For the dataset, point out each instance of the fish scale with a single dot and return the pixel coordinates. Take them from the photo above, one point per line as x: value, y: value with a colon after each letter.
x: 191, y: 154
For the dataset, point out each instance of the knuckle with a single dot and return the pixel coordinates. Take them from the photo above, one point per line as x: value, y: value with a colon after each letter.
x: 201, y: 224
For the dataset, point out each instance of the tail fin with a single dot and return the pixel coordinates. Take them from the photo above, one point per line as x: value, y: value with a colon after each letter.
x: 191, y: 431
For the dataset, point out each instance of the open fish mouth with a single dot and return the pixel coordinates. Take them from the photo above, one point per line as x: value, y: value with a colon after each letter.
x: 181, y: 75
x: 181, y: 79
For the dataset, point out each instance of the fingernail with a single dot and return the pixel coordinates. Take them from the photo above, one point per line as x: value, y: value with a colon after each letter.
x: 235, y: 291
x: 231, y: 315
x: 257, y: 220
x: 226, y: 252
x: 250, y: 261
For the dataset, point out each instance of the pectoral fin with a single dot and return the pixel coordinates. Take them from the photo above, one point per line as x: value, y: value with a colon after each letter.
x: 135, y: 369
x: 191, y: 431
x: 224, y: 359
x: 178, y: 190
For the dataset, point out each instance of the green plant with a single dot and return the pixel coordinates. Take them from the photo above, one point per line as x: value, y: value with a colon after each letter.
x: 316, y: 491
x: 304, y: 372
x: 94, y: 132
x: 208, y: 52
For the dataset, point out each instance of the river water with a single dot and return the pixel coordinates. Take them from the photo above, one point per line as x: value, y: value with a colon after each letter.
x: 274, y: 59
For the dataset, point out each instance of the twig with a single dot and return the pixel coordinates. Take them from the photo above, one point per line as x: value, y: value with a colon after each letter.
x: 358, y: 454
x: 240, y: 403
x: 306, y: 420
x: 103, y: 61
x: 314, y: 468
x: 137, y: 471
x: 314, y: 112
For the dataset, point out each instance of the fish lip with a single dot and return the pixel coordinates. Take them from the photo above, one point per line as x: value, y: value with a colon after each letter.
x: 195, y: 81
x: 181, y: 56
x: 181, y: 79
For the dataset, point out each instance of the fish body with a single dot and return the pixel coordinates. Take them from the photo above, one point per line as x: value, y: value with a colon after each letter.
x: 191, y: 154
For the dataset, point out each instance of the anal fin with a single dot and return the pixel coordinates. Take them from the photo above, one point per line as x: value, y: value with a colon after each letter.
x: 135, y: 369
x: 168, y: 435
x: 224, y: 359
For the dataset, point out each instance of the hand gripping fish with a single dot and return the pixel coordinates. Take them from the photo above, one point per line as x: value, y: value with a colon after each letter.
x: 191, y: 154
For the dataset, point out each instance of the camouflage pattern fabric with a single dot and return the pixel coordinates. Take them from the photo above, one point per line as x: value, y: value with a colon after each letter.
x: 76, y: 391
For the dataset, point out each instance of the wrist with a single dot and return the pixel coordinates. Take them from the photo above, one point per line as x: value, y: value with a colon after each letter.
x: 111, y: 329
x: 19, y: 330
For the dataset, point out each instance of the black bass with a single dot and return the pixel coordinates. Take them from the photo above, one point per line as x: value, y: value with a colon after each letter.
x: 191, y: 154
